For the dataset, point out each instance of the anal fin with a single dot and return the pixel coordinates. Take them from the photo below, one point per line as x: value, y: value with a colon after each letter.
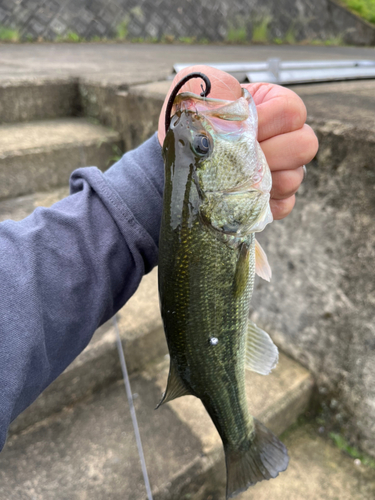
x: 261, y: 353
x: 175, y: 386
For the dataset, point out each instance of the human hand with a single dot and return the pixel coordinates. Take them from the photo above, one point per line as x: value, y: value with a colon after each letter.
x: 286, y: 140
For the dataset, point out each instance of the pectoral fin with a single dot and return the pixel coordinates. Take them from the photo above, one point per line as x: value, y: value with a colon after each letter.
x: 261, y: 353
x: 262, y: 267
x: 175, y: 386
x: 242, y: 270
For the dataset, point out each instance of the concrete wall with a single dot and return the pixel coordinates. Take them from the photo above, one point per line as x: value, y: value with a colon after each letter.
x: 319, y: 306
x: 213, y: 20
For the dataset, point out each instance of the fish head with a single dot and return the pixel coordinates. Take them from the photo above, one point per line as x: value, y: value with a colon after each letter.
x: 218, y: 139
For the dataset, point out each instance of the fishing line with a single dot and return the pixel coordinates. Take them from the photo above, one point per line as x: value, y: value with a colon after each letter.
x: 132, y: 409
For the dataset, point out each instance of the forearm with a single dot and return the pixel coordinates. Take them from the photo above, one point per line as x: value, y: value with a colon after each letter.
x: 67, y: 269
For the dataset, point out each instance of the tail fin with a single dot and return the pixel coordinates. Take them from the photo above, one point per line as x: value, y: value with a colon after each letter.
x: 264, y: 458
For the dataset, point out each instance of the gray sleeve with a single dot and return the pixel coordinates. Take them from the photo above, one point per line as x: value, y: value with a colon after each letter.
x: 67, y: 269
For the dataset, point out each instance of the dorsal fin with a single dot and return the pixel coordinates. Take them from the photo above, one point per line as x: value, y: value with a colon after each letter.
x: 262, y: 267
x: 261, y: 353
x: 175, y: 386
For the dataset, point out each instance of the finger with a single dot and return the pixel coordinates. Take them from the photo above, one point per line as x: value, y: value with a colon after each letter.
x: 223, y: 86
x: 290, y: 151
x: 285, y: 183
x: 282, y: 208
x: 280, y: 110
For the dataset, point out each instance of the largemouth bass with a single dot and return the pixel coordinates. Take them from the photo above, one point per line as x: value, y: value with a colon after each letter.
x: 216, y: 197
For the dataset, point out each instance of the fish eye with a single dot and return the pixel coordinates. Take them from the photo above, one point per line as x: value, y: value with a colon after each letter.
x: 201, y: 144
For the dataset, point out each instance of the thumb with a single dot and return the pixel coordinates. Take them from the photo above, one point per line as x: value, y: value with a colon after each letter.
x: 223, y: 86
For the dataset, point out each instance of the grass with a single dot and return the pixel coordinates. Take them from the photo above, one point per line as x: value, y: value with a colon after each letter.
x: 260, y: 31
x: 189, y: 40
x: 70, y: 36
x: 9, y: 35
x: 353, y: 452
x: 365, y: 8
x: 236, y: 34
x: 334, y: 42
x: 122, y: 29
x: 290, y: 37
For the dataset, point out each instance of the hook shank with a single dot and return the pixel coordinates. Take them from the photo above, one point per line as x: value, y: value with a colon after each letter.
x: 182, y: 82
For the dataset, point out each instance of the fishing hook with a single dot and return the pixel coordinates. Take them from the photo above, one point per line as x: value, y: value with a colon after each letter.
x: 182, y: 82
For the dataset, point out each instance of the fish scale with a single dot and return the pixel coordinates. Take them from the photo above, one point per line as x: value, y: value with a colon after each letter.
x: 208, y: 314
x: 206, y: 278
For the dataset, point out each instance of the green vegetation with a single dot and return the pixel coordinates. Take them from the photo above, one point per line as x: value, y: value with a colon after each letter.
x: 122, y: 29
x: 343, y: 445
x: 314, y: 422
x: 290, y: 37
x: 190, y: 40
x: 365, y: 8
x: 337, y: 41
x: 260, y: 31
x: 137, y: 12
x: 71, y: 36
x: 9, y: 35
x: 236, y: 34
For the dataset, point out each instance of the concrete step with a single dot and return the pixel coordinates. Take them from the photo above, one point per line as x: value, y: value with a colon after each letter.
x: 318, y: 470
x: 40, y: 155
x: 89, y: 450
x: 346, y: 108
x: 37, y: 98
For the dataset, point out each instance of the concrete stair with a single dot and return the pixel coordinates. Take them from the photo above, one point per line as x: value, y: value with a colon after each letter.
x: 89, y: 449
x: 317, y: 471
x: 40, y: 155
x: 37, y: 98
